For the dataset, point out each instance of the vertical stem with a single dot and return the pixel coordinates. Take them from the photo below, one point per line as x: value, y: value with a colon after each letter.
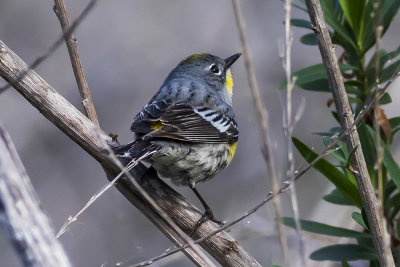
x: 263, y: 122
x: 61, y: 12
x: 289, y: 124
x: 360, y: 171
x: 379, y: 148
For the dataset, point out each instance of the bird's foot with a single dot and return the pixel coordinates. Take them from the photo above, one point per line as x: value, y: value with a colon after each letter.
x: 208, y: 215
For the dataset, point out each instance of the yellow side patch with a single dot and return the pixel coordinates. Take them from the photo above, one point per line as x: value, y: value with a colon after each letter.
x: 156, y: 126
x: 229, y: 82
x: 232, y: 152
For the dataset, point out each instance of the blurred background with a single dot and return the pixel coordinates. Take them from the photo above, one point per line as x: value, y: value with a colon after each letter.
x: 127, y: 48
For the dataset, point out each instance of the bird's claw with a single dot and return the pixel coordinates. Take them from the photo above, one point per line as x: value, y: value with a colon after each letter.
x: 208, y: 215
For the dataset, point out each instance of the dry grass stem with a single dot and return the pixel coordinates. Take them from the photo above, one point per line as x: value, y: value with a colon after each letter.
x: 262, y: 117
x: 72, y: 46
x: 289, y: 125
x: 74, y: 218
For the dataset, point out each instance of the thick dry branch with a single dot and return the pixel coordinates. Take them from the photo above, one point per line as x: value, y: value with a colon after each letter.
x: 27, y: 224
x: 360, y: 171
x: 80, y: 129
x: 61, y: 12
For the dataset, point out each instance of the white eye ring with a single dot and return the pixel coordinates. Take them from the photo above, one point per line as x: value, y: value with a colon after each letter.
x: 215, y: 69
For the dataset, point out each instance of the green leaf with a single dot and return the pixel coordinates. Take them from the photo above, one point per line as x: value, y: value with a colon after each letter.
x: 309, y: 39
x: 388, y: 72
x: 345, y: 264
x: 359, y: 219
x: 338, y: 178
x: 393, y: 201
x: 338, y: 152
x: 391, y: 165
x: 367, y: 144
x: 389, y: 187
x: 338, y: 28
x: 385, y: 99
x: 344, y: 252
x: 335, y: 197
x: 388, y: 10
x: 324, y: 229
x: 301, y: 23
x: 389, y: 56
x: 354, y: 12
x: 372, y: 62
x: 314, y: 77
x: 394, y: 122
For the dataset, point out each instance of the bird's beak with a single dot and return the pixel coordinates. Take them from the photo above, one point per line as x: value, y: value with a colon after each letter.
x: 230, y: 60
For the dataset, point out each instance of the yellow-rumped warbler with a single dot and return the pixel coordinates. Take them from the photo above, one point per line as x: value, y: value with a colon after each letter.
x: 190, y: 123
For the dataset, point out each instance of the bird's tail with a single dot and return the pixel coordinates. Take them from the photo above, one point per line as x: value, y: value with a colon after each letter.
x: 136, y: 150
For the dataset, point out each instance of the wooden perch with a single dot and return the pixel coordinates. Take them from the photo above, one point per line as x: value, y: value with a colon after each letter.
x: 27, y: 224
x: 360, y: 171
x: 81, y: 130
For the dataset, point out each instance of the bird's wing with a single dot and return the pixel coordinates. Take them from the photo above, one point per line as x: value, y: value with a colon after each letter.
x: 184, y: 122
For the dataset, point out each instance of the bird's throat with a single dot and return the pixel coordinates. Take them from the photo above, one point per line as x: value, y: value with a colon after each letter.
x: 229, y: 82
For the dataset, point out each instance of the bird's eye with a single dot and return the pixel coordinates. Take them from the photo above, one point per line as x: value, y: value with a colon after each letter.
x: 214, y: 69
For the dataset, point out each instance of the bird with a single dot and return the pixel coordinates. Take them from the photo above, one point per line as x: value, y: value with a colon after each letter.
x: 188, y: 125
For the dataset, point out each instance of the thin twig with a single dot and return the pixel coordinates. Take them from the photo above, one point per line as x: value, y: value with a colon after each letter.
x: 338, y: 137
x: 289, y: 129
x: 379, y: 148
x: 28, y: 226
x: 70, y: 40
x: 125, y: 170
x: 262, y: 117
x: 53, y: 48
x: 335, y: 79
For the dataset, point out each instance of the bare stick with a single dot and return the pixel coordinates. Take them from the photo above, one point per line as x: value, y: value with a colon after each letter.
x: 263, y: 119
x: 27, y: 224
x: 74, y: 218
x: 53, y: 48
x: 70, y: 40
x: 80, y: 129
x: 299, y: 173
x: 379, y: 148
x: 343, y: 108
x: 289, y: 125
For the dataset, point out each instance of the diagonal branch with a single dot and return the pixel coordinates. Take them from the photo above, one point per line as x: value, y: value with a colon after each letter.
x: 70, y: 40
x: 27, y: 224
x: 360, y: 171
x: 77, y: 127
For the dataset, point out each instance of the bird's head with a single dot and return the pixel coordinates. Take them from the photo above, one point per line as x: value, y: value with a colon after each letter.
x: 212, y: 69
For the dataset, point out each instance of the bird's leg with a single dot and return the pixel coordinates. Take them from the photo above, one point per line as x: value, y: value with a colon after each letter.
x: 208, y: 214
